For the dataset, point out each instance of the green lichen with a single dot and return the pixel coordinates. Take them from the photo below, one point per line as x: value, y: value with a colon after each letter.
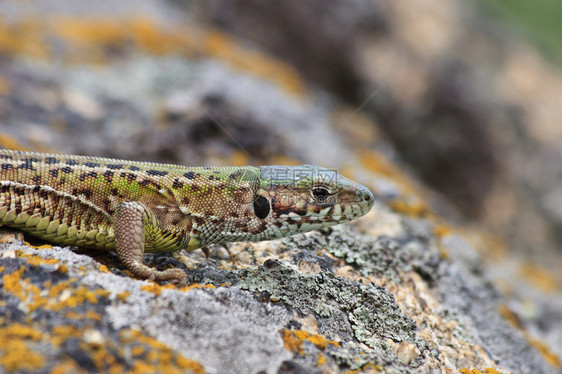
x: 347, y: 309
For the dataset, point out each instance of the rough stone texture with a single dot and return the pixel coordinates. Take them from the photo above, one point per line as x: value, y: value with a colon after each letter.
x: 401, y: 290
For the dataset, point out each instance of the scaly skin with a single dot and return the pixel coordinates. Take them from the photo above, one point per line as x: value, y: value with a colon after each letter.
x: 133, y: 207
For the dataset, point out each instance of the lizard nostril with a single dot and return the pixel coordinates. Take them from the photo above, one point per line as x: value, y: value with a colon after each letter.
x: 367, y: 197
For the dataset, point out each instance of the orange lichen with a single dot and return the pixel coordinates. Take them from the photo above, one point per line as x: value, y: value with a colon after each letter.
x: 515, y: 322
x: 223, y: 47
x: 160, y: 357
x: 89, y: 31
x: 32, y: 297
x: 61, y: 333
x: 24, y: 37
x: 548, y: 355
x: 35, y: 260
x: 283, y: 160
x: 149, y: 36
x: 104, y: 269
x: 89, y: 315
x: 321, y: 360
x: 19, y: 331
x: 239, y: 158
x: 440, y: 230
x: 4, y: 86
x: 79, y: 296
x: 67, y: 365
x: 157, y: 289
x: 539, y: 277
x: 17, y: 357
x: 293, y: 340
x: 21, y: 288
x: 414, y: 209
x: 196, y: 285
x: 9, y: 142
x: 367, y: 368
x: 88, y: 40
x: 378, y: 164
x: 476, y: 371
x: 153, y: 287
x: 123, y: 295
x: 42, y: 246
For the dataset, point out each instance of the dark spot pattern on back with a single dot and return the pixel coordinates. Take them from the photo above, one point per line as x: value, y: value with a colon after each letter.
x: 177, y: 184
x: 91, y: 174
x: 66, y: 170
x: 91, y: 164
x: 72, y: 162
x: 159, y: 173
x: 115, y: 166
x: 86, y: 192
x: 7, y: 166
x: 134, y: 168
x: 52, y: 160
x: 54, y: 172
x: 189, y: 175
x: 27, y: 164
x: 108, y: 175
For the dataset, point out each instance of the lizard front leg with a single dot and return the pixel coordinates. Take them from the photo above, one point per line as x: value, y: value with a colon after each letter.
x: 130, y: 220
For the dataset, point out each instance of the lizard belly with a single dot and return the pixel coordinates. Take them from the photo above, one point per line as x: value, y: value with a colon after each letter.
x: 55, y: 216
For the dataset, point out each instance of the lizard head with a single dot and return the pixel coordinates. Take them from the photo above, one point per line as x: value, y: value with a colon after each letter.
x: 292, y: 199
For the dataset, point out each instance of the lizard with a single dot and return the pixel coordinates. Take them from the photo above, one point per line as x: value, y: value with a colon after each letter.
x: 135, y: 207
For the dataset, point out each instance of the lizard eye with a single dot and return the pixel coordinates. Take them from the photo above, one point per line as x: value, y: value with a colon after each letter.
x: 261, y: 207
x: 320, y: 194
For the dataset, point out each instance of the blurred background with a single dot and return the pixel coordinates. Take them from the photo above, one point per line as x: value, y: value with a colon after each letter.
x: 445, y: 109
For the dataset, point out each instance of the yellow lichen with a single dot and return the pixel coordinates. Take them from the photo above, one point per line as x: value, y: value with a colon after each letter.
x: 539, y: 277
x: 152, y: 287
x: 42, y: 246
x: 123, y: 295
x: 149, y: 36
x: 476, y: 371
x: 61, y: 333
x: 195, y: 286
x: 293, y: 340
x: 367, y: 368
x: 104, y: 269
x: 17, y: 357
x: 88, y: 40
x: 160, y: 357
x: 222, y: 46
x: 79, y: 296
x: 67, y: 365
x: 7, y: 141
x: 321, y: 360
x: 515, y: 322
x: 548, y: 355
x: 4, y: 86
x: 415, y: 209
x: 23, y: 37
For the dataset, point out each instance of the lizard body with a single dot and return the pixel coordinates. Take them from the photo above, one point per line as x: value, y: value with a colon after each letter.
x: 133, y: 207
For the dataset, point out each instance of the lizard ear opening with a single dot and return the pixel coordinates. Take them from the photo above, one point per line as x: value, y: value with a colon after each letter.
x: 261, y: 207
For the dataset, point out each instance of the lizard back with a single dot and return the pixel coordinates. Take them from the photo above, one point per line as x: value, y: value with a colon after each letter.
x: 71, y: 199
